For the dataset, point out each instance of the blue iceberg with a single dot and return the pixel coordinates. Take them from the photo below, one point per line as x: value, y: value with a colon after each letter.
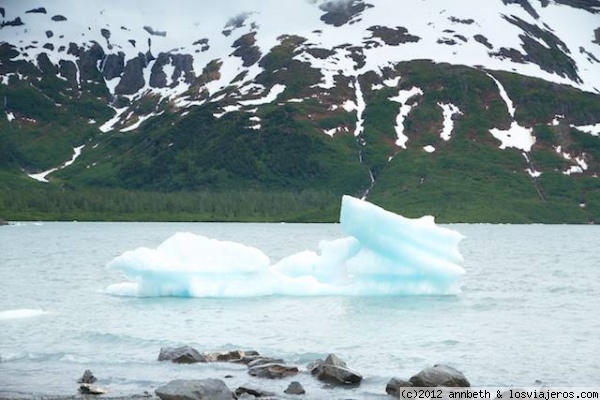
x: 383, y: 254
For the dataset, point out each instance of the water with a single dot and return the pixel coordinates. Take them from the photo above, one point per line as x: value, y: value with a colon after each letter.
x: 529, y: 311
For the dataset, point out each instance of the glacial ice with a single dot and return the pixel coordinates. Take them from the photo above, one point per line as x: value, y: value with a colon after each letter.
x: 383, y: 254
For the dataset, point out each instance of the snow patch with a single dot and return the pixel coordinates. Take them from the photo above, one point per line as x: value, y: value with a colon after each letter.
x: 448, y: 111
x: 41, y: 177
x: 402, y: 98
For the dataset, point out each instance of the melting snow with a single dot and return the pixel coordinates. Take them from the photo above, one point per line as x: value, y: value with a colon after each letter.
x: 591, y: 129
x: 41, y: 177
x: 449, y: 110
x: 402, y: 98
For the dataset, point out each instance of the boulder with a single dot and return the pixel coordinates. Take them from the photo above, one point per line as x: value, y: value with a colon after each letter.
x: 195, y: 389
x: 263, y: 360
x: 87, y: 377
x: 295, y: 388
x: 272, y: 371
x: 334, y: 370
x: 181, y: 355
x: 235, y: 356
x: 255, y: 392
x: 88, y: 388
x: 439, y: 375
x: 393, y: 386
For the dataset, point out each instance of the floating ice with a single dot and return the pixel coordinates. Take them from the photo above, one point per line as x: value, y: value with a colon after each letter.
x: 383, y: 254
x: 21, y: 313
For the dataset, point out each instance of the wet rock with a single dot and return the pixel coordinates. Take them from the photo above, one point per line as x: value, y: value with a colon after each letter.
x: 88, y: 388
x: 87, y: 377
x: 260, y: 360
x: 181, y: 355
x: 235, y: 356
x: 439, y: 375
x: 259, y: 393
x: 295, y: 388
x: 334, y: 370
x: 195, y: 389
x: 393, y: 386
x: 272, y: 371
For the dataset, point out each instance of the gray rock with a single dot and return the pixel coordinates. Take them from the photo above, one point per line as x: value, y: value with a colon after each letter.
x: 259, y: 360
x: 88, y: 388
x: 440, y: 375
x: 272, y: 371
x: 245, y: 390
x: 181, y: 355
x: 87, y: 377
x: 295, y: 388
x: 393, y: 386
x: 195, y: 389
x: 334, y: 370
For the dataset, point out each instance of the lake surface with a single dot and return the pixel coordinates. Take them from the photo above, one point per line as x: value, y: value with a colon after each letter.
x: 529, y: 312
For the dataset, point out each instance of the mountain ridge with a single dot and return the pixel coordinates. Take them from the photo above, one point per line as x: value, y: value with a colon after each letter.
x: 331, y: 99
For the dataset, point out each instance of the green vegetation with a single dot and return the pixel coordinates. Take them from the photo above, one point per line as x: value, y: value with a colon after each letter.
x: 52, y: 203
x: 196, y: 167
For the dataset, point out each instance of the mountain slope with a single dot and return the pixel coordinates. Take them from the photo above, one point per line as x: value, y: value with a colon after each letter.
x: 465, y: 113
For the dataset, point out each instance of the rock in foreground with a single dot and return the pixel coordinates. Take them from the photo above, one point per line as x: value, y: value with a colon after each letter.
x: 334, y: 370
x: 195, y: 389
x: 440, y: 375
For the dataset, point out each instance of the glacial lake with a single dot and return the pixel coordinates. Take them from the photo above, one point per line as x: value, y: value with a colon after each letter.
x: 528, y: 313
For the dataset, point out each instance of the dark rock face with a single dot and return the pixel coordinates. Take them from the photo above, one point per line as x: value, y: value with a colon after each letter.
x: 49, y: 34
x: 334, y: 370
x: 526, y: 6
x: 158, y: 78
x: 59, y: 18
x: 2, y: 12
x: 45, y: 65
x: 113, y: 66
x: 68, y: 70
x: 483, y: 40
x: 133, y: 76
x: 39, y: 10
x: 338, y: 13
x: 597, y: 36
x: 246, y: 50
x: 89, y: 61
x: 439, y: 375
x: 195, y: 389
x: 295, y: 388
x: 393, y: 37
x: 15, y: 22
x: 154, y: 32
x: 181, y: 355
x: 183, y: 66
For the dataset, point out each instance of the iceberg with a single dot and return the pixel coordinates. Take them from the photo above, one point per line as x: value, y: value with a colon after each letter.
x: 382, y: 254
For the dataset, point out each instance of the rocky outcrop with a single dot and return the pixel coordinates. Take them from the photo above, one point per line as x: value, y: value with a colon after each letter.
x: 272, y: 370
x: 87, y: 377
x: 39, y: 10
x: 113, y: 65
x: 246, y: 50
x: 393, y: 386
x: 45, y: 65
x: 133, y: 76
x: 181, y: 355
x: 393, y: 37
x: 195, y: 389
x: 439, y: 375
x: 334, y: 370
x: 58, y: 18
x: 295, y: 387
x: 244, y: 391
x: 338, y: 13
